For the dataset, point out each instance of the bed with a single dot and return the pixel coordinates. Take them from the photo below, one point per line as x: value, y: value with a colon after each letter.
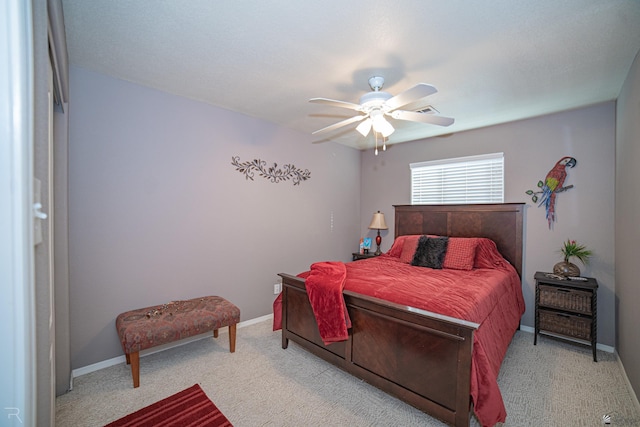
x: 441, y: 364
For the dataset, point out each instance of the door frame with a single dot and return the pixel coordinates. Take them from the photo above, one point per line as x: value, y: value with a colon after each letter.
x: 17, y: 305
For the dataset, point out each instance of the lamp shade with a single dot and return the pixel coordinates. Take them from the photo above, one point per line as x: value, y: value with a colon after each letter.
x: 364, y: 127
x: 377, y: 222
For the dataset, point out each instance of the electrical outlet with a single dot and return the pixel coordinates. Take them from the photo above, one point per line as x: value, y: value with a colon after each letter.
x: 277, y: 288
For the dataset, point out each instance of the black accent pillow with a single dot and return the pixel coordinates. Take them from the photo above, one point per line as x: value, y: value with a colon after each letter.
x: 430, y: 252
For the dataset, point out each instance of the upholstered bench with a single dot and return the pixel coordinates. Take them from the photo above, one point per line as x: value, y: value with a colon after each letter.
x: 152, y: 326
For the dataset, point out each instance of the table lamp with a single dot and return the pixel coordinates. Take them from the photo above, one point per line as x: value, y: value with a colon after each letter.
x: 378, y: 223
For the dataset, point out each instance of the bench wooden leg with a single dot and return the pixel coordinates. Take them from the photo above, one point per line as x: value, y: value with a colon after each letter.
x: 135, y: 368
x: 232, y: 338
x: 128, y: 359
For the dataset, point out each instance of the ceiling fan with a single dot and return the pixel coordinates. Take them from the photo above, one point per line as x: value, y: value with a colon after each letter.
x: 375, y: 105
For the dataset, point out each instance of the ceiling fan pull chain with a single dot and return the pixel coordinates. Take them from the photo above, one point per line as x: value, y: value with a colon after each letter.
x: 375, y: 135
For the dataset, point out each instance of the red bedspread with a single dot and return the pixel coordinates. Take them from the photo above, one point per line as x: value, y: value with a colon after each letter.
x: 490, y: 296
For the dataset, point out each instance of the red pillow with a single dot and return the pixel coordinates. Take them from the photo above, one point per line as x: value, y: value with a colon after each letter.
x: 409, y: 248
x: 396, y: 248
x: 461, y: 253
x: 487, y: 254
x: 398, y: 244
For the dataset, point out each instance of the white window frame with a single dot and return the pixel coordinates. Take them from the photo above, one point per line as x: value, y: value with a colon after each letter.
x: 460, y: 180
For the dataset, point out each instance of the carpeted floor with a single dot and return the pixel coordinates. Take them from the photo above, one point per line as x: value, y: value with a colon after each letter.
x: 551, y: 384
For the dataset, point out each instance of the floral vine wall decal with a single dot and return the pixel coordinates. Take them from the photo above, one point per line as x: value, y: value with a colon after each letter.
x: 273, y: 174
x: 553, y: 184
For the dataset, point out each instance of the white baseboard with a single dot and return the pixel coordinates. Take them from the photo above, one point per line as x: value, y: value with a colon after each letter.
x: 602, y: 347
x: 122, y: 359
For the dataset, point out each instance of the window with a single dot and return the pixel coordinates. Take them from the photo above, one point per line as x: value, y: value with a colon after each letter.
x: 463, y: 180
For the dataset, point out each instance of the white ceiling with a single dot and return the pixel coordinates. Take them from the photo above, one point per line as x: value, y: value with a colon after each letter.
x: 492, y: 61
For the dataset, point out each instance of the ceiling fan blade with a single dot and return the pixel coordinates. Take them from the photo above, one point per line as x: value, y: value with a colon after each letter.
x: 410, y: 95
x: 334, y: 103
x: 422, y: 117
x: 340, y: 124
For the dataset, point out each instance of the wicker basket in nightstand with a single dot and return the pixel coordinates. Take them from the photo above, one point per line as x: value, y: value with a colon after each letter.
x: 565, y: 324
x: 567, y: 308
x: 565, y: 298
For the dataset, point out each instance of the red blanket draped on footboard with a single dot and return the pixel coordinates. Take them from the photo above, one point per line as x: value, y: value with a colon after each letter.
x: 324, y: 287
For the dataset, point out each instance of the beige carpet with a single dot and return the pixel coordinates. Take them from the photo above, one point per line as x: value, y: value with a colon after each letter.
x: 551, y: 384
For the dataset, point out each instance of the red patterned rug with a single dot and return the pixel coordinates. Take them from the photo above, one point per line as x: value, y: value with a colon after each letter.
x: 190, y: 407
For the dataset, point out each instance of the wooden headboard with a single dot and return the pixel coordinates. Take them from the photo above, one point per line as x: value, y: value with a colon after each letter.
x: 502, y: 223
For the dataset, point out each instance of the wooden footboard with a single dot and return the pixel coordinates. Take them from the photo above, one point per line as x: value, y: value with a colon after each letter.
x: 422, y: 358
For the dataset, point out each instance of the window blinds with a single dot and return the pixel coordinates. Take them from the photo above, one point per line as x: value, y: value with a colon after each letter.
x: 462, y: 180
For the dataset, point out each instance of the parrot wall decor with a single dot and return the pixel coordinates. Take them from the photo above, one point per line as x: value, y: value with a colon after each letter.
x: 551, y: 186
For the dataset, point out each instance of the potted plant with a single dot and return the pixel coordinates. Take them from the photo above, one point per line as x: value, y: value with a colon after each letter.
x: 572, y: 249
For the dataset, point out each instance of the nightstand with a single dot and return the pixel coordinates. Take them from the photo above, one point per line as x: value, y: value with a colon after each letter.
x: 357, y: 256
x: 567, y: 308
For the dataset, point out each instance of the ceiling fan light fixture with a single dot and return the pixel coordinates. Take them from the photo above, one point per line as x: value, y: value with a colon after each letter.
x: 364, y: 127
x: 380, y: 124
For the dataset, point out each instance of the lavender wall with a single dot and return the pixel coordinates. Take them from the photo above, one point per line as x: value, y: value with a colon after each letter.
x: 158, y: 213
x: 627, y: 229
x: 531, y: 148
